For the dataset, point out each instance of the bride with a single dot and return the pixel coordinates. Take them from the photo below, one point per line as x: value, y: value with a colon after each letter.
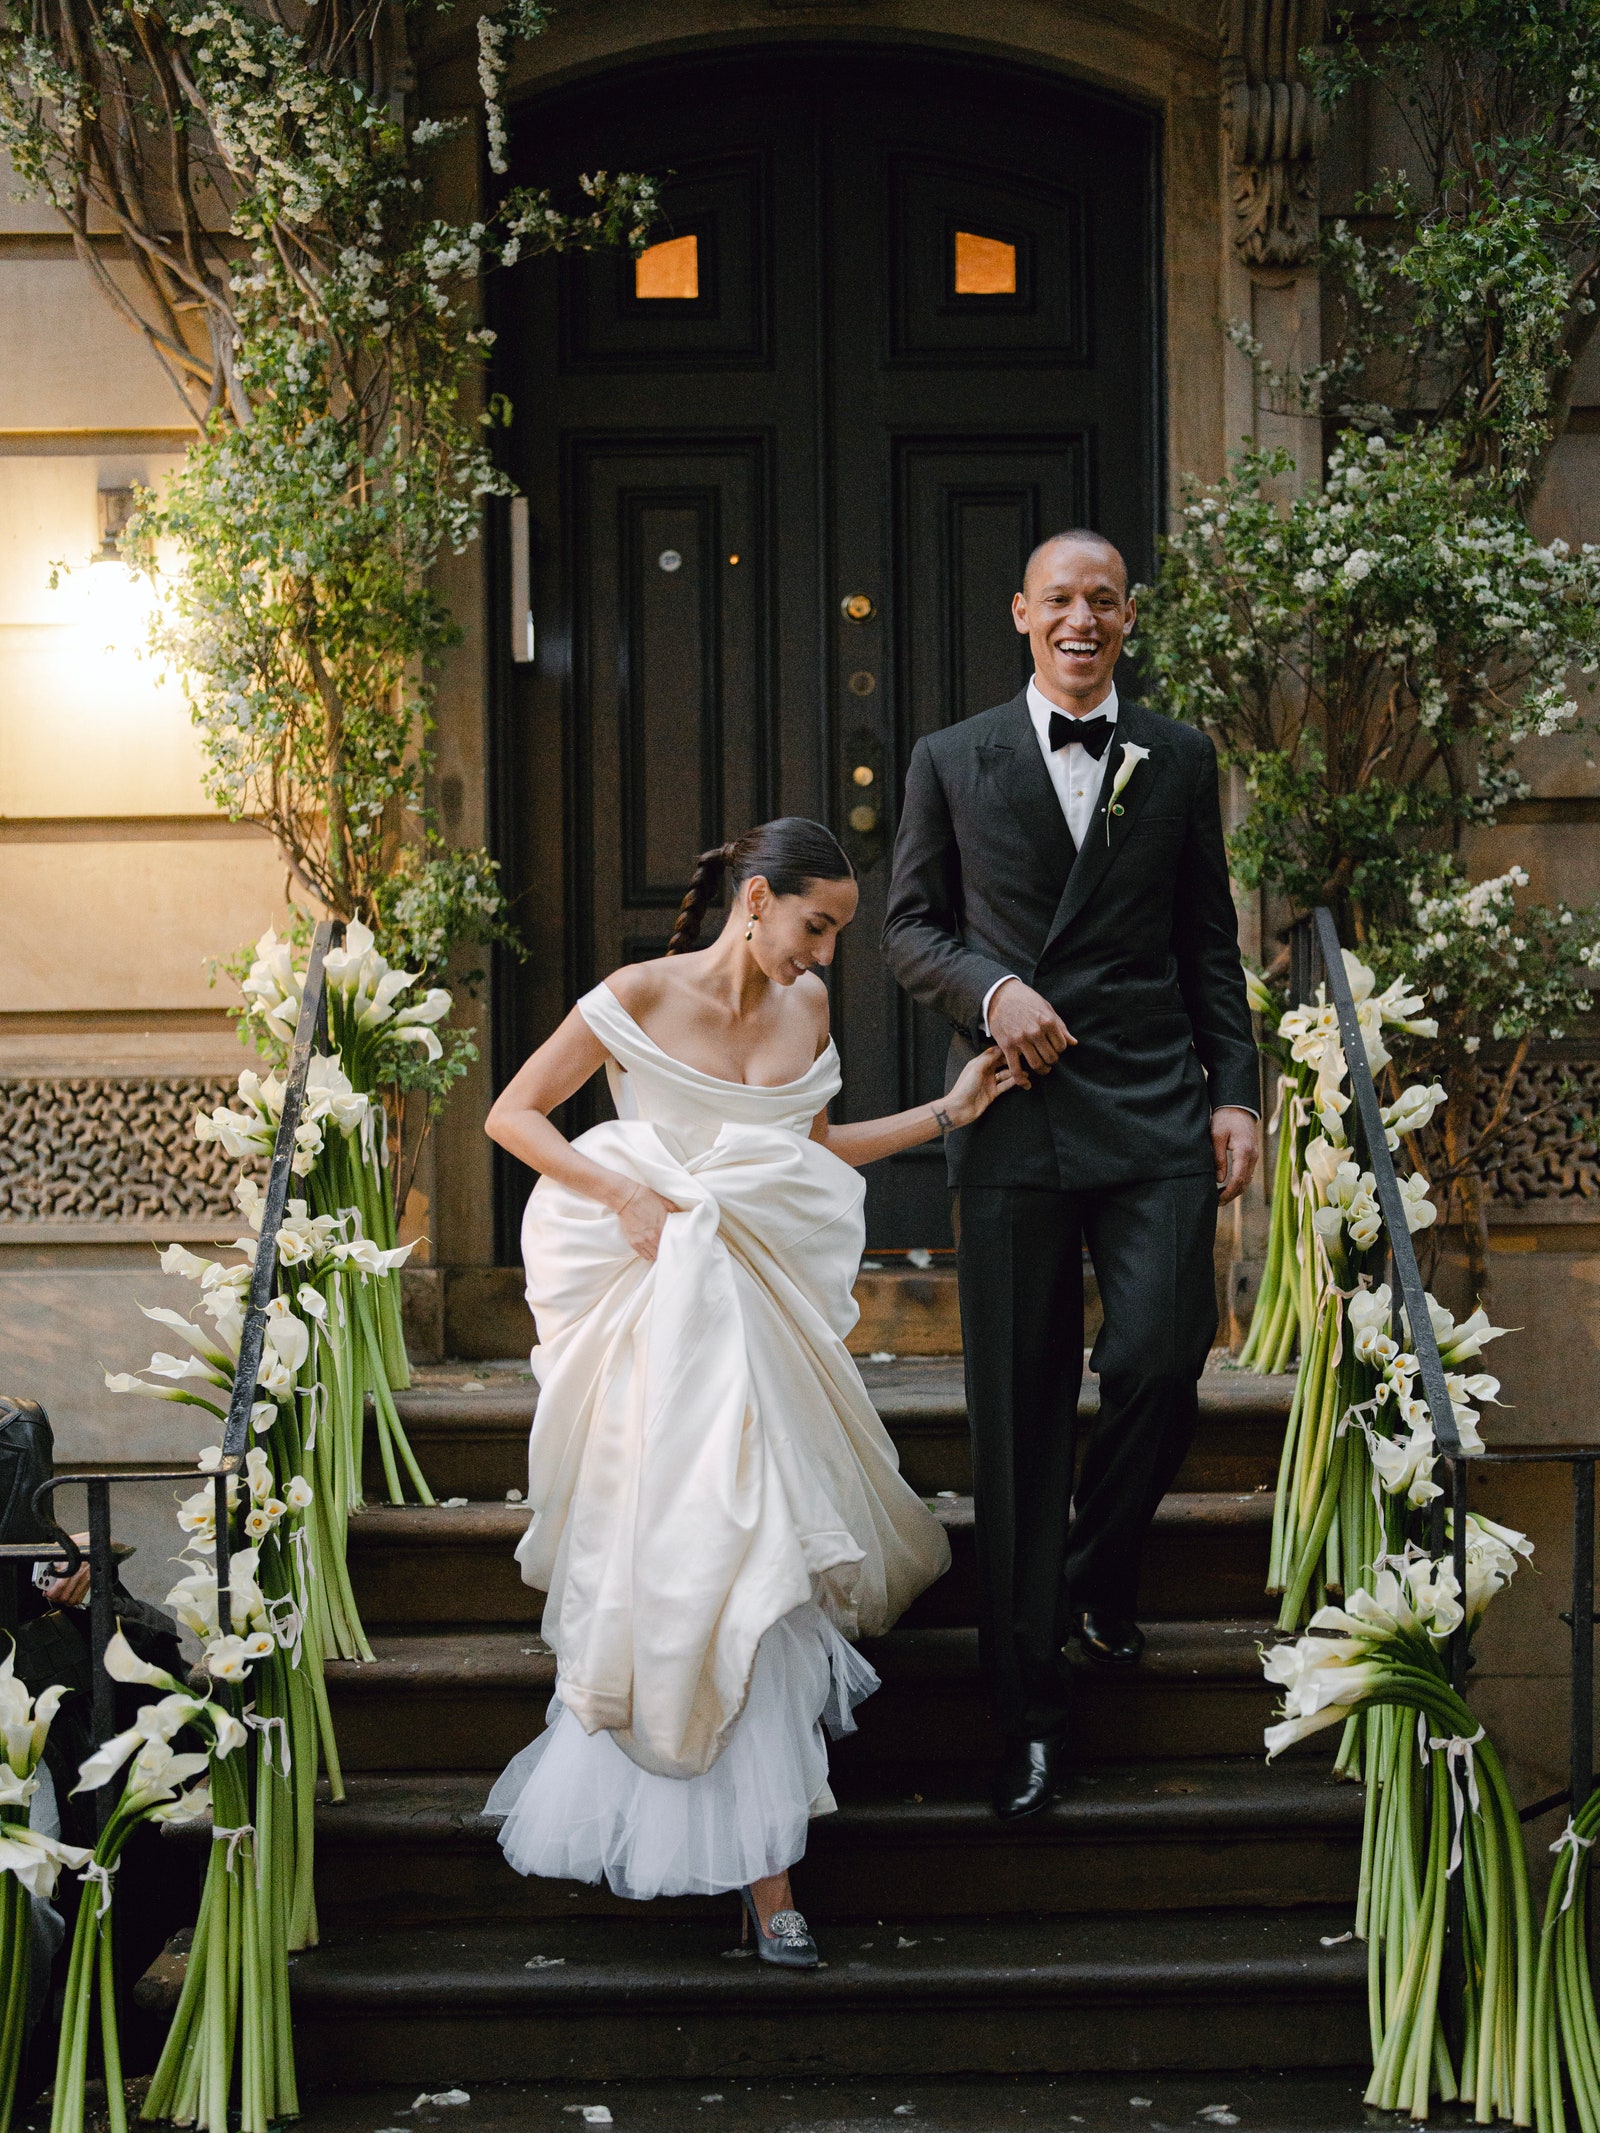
x: 716, y: 1506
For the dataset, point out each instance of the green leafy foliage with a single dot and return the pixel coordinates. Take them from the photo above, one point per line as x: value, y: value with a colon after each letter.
x: 1370, y: 654
x: 1472, y: 287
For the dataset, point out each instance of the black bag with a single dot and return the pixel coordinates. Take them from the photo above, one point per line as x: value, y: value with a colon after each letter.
x: 27, y: 1459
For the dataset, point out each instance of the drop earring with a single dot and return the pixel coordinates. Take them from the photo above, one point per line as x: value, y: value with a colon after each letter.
x: 749, y: 931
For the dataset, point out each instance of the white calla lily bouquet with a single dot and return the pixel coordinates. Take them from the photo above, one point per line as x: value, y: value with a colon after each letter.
x: 153, y: 1791
x: 384, y: 1028
x: 1437, y: 1805
x: 1359, y: 1449
x: 332, y: 1341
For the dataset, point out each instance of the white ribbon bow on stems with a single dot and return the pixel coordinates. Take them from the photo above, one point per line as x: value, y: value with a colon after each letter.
x: 1569, y: 1840
x: 233, y: 1838
x: 1462, y: 1767
x: 98, y: 1874
x: 268, y: 1727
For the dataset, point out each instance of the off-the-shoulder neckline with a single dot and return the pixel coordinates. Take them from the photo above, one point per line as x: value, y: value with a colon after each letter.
x: 766, y: 1088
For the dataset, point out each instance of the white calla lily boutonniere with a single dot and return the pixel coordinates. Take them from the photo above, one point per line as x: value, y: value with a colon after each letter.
x: 1132, y: 756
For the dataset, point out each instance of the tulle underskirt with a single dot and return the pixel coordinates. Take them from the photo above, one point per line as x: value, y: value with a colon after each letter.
x: 576, y: 1808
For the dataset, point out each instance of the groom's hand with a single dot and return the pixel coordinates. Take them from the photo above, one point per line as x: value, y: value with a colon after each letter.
x: 1236, y: 1143
x: 1027, y: 1029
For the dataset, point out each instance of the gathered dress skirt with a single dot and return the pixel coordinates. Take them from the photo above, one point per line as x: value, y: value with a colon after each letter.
x: 577, y: 1808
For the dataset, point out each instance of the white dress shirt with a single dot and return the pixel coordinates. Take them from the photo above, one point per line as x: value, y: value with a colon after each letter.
x: 1076, y: 775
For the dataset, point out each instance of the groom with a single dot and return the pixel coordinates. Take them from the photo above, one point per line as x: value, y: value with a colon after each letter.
x: 1060, y: 889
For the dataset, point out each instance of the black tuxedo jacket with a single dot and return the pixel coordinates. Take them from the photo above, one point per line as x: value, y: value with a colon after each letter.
x: 1133, y: 940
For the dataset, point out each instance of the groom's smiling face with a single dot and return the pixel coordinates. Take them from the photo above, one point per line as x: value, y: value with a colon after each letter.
x: 1075, y: 612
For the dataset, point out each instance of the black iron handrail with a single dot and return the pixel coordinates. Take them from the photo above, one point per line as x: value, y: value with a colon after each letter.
x: 311, y: 1025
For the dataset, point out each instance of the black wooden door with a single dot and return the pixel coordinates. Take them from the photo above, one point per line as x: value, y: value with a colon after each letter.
x: 783, y: 478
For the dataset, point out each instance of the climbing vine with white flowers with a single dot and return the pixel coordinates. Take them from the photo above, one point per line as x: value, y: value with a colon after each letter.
x: 268, y: 192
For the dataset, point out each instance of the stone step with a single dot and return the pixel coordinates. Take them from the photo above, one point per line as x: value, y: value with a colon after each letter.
x: 482, y: 1312
x: 470, y: 1430
x: 1207, y: 1558
x: 416, y: 1849
x: 1225, y: 1989
x: 1275, y: 2101
x: 470, y: 1698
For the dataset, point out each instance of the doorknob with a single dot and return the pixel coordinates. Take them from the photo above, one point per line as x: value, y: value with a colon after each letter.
x: 858, y: 607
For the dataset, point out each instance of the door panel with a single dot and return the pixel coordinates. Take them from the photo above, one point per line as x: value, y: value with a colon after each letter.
x: 920, y: 337
x: 671, y: 630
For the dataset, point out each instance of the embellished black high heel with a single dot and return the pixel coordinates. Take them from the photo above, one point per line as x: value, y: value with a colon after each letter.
x: 789, y: 1942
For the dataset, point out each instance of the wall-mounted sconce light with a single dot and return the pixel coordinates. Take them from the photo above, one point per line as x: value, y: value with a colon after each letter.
x: 521, y: 584
x: 116, y: 508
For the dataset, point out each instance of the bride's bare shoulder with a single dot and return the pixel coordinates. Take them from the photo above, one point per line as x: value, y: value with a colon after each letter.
x: 812, y: 994
x: 642, y: 986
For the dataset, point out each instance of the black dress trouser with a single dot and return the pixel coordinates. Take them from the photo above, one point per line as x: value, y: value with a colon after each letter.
x: 1019, y: 1256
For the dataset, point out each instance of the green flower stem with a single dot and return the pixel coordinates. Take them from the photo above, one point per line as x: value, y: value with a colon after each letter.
x: 1266, y: 1318
x: 391, y: 1432
x: 304, y: 1684
x: 1294, y: 1463
x: 88, y: 1966
x: 252, y: 2081
x: 1279, y: 1555
x: 1277, y: 1320
x: 1295, y: 1595
x: 1504, y: 2041
x: 1374, y: 1724
x: 16, y: 1969
x: 1404, y: 2062
x: 178, y: 2051
x: 110, y: 2043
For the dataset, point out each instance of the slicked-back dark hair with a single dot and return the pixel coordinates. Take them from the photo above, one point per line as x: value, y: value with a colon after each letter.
x: 789, y: 854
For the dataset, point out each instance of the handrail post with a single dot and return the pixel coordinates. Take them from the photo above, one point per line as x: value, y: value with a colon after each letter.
x: 1302, y: 960
x: 1456, y: 1468
x: 219, y: 1518
x: 102, y: 1625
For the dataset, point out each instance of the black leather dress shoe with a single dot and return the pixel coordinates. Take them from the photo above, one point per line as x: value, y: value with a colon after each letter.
x: 1112, y: 1640
x: 1028, y: 1778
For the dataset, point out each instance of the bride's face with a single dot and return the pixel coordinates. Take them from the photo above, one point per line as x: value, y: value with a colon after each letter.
x: 794, y: 934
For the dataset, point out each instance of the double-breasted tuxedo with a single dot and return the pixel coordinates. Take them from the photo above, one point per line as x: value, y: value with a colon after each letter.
x: 1132, y: 938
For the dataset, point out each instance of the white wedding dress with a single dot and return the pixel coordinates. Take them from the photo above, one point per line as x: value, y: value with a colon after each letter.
x: 717, y: 1509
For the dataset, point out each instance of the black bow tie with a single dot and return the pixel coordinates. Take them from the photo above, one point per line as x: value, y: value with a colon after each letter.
x: 1091, y: 733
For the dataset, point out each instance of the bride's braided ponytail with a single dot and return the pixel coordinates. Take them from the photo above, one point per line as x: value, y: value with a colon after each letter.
x: 787, y: 854
x: 704, y: 890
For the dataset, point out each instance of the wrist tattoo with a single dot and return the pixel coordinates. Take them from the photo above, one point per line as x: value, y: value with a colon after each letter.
x: 942, y: 1119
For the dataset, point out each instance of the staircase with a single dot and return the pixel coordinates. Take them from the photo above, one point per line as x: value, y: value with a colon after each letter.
x: 1168, y: 1912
